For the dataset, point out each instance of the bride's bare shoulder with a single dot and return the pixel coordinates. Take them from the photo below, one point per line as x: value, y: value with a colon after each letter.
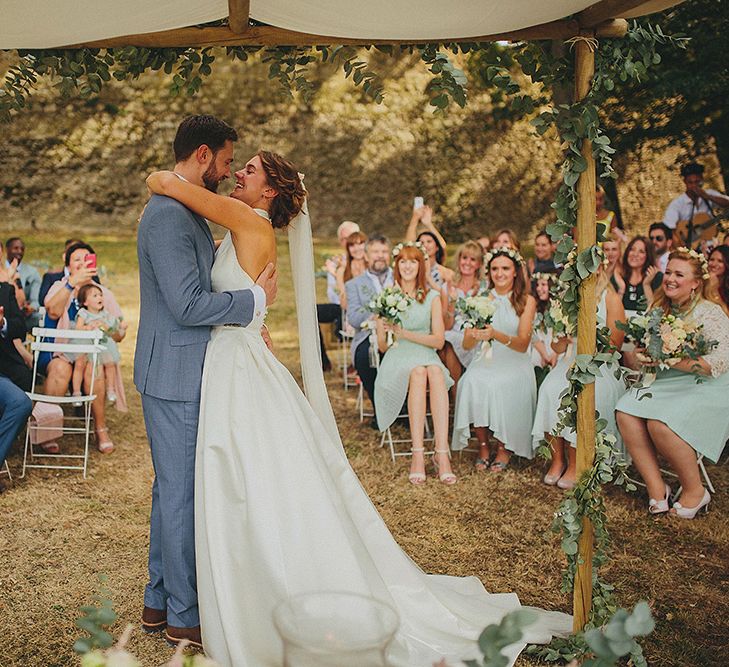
x: 255, y: 249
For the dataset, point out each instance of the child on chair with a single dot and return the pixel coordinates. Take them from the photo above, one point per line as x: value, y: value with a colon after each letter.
x: 91, y: 315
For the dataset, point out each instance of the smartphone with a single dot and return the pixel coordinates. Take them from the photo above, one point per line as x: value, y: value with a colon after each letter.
x: 418, y: 202
x: 90, y: 260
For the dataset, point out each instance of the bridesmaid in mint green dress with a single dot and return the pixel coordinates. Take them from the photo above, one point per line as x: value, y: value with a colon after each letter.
x: 682, y: 418
x: 498, y: 391
x: 411, y: 365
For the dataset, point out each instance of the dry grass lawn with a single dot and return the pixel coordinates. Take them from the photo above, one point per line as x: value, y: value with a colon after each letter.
x: 58, y: 531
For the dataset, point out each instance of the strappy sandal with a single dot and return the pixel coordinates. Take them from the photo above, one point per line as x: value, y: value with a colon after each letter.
x: 448, y: 478
x: 104, y: 447
x: 417, y: 478
x: 481, y: 464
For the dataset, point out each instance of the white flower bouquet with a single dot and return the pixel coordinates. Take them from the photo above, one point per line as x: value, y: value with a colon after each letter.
x: 390, y: 305
x: 476, y: 312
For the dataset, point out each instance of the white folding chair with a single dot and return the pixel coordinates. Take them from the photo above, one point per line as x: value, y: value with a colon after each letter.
x: 387, y: 433
x: 6, y: 471
x: 345, y: 341
x: 90, y: 345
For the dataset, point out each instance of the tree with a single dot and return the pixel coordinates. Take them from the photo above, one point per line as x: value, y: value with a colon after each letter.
x: 686, y: 101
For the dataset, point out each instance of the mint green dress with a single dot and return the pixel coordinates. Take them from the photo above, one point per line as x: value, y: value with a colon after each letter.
x: 393, y: 376
x: 697, y: 412
x: 498, y: 389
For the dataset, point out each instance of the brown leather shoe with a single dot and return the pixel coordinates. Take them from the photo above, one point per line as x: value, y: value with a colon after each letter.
x: 154, y: 620
x: 175, y: 635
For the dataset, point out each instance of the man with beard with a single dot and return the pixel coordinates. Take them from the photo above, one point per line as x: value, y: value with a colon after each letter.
x: 177, y: 310
x: 360, y: 291
x: 662, y: 240
x: 29, y: 277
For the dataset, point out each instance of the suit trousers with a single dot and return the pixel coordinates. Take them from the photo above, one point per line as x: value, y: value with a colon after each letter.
x: 15, y: 408
x: 172, y: 433
x: 362, y: 365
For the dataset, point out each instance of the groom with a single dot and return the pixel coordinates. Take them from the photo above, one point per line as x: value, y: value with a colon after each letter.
x: 177, y: 309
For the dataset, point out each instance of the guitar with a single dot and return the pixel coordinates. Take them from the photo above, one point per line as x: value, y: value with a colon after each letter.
x: 702, y: 227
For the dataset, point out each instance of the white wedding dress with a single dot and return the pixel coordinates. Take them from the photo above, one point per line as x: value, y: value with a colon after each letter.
x: 279, y: 511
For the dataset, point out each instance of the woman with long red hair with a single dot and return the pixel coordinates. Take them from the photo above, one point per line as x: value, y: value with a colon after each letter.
x: 411, y: 365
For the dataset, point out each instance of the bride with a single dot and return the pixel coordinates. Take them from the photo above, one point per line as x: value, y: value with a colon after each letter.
x: 278, y: 509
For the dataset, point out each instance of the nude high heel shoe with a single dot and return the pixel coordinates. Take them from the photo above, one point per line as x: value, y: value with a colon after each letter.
x: 659, y: 506
x: 417, y: 478
x: 690, y: 512
x: 445, y: 477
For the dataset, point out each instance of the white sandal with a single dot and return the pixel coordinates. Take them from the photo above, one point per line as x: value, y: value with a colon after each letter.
x: 448, y: 478
x: 104, y: 447
x: 417, y: 478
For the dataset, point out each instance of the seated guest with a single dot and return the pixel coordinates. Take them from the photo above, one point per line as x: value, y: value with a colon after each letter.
x: 607, y: 218
x: 543, y: 260
x: 719, y: 272
x: 54, y: 275
x: 92, y: 315
x: 614, y: 254
x: 62, y: 306
x: 360, y: 291
x: 505, y: 238
x: 608, y: 389
x: 435, y: 246
x: 695, y: 200
x: 412, y: 369
x: 326, y: 313
x: 640, y: 275
x: 497, y: 392
x: 485, y: 243
x: 543, y: 356
x: 15, y: 376
x: 468, y: 281
x: 662, y: 239
x: 682, y: 418
x: 354, y: 264
x: 29, y: 278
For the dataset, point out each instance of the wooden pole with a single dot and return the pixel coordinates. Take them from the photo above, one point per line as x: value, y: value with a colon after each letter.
x: 586, y: 340
x: 238, y: 12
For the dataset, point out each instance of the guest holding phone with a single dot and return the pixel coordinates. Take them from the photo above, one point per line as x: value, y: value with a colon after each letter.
x: 62, y: 306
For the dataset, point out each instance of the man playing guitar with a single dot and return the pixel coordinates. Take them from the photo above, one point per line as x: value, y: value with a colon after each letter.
x: 692, y: 212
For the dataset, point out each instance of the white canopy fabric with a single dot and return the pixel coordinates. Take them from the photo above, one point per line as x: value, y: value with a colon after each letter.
x: 36, y: 24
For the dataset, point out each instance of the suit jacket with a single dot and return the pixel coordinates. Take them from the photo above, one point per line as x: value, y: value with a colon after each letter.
x: 359, y: 292
x: 12, y: 365
x: 177, y: 308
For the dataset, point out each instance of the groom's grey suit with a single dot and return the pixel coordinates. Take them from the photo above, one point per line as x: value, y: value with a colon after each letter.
x: 177, y: 309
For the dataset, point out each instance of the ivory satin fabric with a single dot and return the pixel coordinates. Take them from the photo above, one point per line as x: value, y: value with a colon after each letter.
x: 36, y: 24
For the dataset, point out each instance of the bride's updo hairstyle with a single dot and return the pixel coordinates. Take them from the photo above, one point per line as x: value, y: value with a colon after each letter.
x: 284, y: 178
x: 700, y: 269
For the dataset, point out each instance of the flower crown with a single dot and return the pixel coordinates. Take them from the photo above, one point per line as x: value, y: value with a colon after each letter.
x: 698, y: 256
x: 409, y: 244
x: 503, y: 252
x: 549, y: 277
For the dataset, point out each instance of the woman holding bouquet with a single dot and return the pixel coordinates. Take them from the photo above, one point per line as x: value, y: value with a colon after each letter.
x: 468, y: 282
x: 682, y: 417
x: 608, y: 389
x: 411, y: 365
x: 498, y: 391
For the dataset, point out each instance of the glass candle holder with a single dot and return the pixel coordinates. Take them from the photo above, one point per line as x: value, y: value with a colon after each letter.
x: 335, y: 629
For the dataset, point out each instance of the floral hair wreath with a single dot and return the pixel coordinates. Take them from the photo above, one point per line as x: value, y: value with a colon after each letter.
x: 549, y: 277
x: 698, y: 256
x: 409, y: 244
x: 503, y: 252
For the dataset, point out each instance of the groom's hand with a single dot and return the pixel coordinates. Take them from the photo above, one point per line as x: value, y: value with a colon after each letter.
x: 268, y: 280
